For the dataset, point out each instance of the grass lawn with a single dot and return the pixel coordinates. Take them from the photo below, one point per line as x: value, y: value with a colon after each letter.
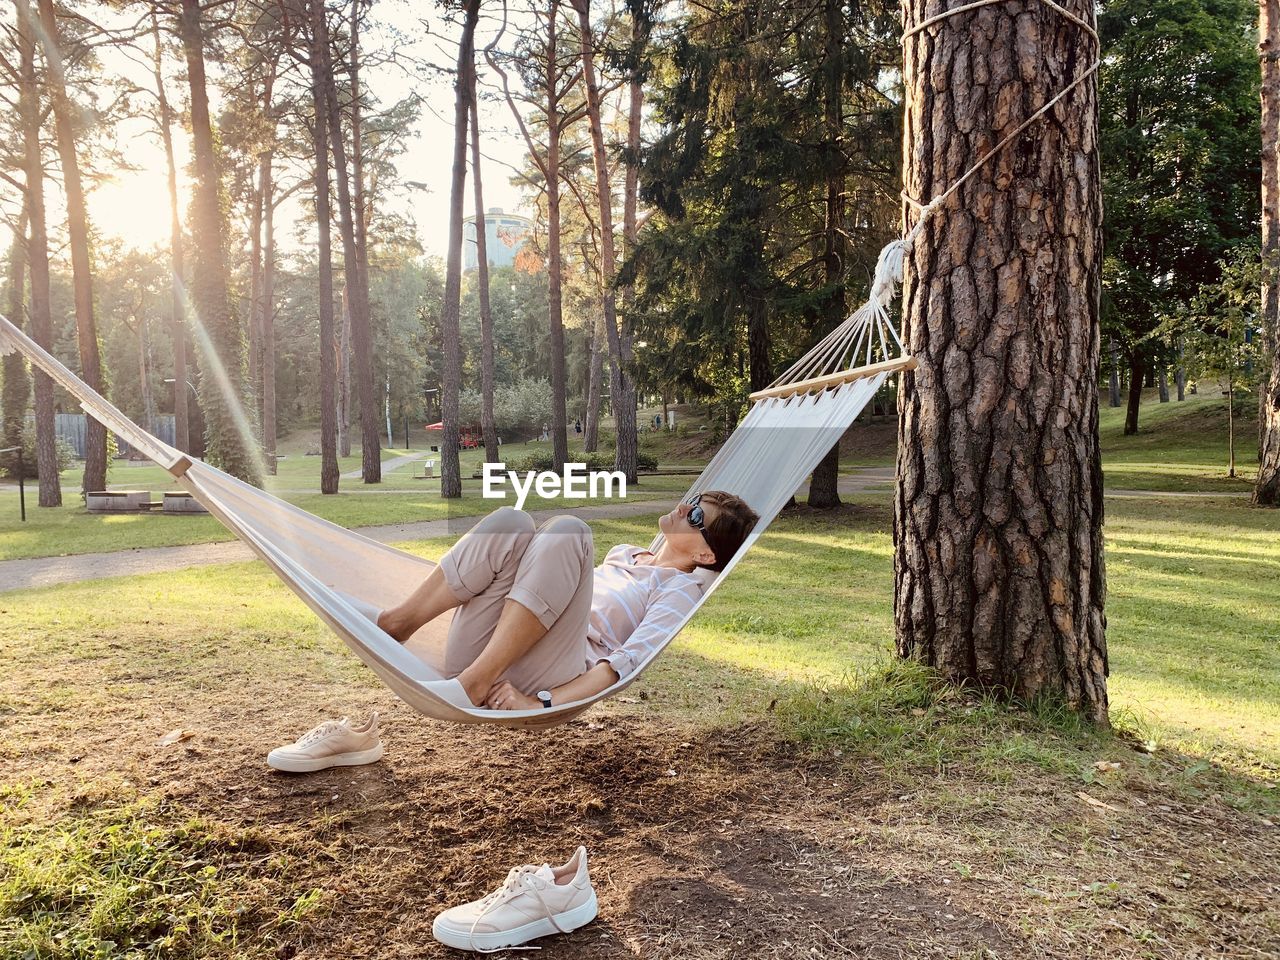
x: 773, y: 787
x: 69, y: 529
x: 1179, y: 446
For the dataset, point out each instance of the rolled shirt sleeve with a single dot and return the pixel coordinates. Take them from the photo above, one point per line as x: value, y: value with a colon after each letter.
x: 670, y: 605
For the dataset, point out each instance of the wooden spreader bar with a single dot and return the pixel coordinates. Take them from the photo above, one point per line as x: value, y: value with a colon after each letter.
x: 815, y: 384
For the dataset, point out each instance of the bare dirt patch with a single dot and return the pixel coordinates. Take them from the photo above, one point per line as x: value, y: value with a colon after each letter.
x: 718, y: 843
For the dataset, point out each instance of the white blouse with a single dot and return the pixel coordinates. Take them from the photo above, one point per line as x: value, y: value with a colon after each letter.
x: 634, y: 607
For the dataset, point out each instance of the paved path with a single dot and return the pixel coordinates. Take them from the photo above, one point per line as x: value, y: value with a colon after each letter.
x: 394, y: 463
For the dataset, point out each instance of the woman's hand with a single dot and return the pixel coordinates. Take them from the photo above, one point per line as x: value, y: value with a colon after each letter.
x: 503, y: 696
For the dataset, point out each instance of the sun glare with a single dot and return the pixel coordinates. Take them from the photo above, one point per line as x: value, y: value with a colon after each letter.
x: 133, y: 208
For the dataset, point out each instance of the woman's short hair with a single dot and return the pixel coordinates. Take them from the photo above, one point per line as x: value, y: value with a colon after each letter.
x: 728, y: 531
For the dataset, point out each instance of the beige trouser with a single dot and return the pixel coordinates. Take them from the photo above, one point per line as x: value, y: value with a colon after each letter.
x: 548, y: 569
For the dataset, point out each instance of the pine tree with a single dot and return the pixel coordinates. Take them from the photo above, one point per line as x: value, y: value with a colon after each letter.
x: 998, y: 509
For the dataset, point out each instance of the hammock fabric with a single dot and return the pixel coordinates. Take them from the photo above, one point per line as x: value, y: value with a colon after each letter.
x: 337, y: 572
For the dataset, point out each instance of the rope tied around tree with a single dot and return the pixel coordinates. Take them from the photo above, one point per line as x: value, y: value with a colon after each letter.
x: 855, y: 337
x: 925, y: 210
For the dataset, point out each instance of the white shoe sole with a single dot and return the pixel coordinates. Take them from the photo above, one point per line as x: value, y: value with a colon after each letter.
x: 460, y: 939
x: 296, y: 765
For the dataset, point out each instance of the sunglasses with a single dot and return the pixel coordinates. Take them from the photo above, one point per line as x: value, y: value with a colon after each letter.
x: 696, y: 516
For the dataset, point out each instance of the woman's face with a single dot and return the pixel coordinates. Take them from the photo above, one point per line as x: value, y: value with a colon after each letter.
x: 683, y: 537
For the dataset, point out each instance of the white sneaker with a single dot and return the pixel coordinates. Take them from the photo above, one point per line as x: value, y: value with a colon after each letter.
x: 532, y: 902
x: 335, y: 743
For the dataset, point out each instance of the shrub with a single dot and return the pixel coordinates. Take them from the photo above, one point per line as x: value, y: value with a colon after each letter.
x: 9, y: 461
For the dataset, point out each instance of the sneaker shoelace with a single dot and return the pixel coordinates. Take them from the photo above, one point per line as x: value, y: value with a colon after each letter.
x: 519, y: 880
x: 325, y: 729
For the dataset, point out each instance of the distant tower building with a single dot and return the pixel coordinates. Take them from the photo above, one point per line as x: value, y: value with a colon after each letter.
x: 504, y: 234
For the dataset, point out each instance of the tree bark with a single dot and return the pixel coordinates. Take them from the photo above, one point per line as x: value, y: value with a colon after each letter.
x: 354, y: 274
x: 998, y: 507
x: 1162, y: 377
x: 1266, y: 490
x: 824, y: 484
x: 319, y: 145
x: 591, y: 425
x: 177, y: 321
x: 256, y: 201
x: 37, y: 256
x: 228, y: 441
x: 621, y: 384
x: 363, y: 209
x: 95, y: 450
x: 1137, y: 370
x: 343, y: 345
x: 1180, y: 372
x: 555, y: 262
x: 268, y: 318
x: 630, y: 229
x: 17, y: 380
x: 1114, y: 350
x: 1231, y: 424
x: 144, y: 373
x: 450, y: 468
x: 487, y: 428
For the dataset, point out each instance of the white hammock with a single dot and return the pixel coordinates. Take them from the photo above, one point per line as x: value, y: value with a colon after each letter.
x: 789, y: 428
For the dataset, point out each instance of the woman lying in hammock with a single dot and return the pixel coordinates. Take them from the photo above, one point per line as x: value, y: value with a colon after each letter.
x: 538, y: 624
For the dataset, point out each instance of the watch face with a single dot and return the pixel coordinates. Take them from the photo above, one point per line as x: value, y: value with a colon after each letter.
x: 545, y: 697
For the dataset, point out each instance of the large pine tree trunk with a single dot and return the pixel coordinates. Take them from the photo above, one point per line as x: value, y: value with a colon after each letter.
x: 450, y: 332
x: 1266, y: 489
x: 354, y: 275
x: 177, y: 322
x: 37, y: 256
x: 95, y: 444
x: 621, y: 385
x: 17, y: 381
x: 487, y: 428
x: 998, y: 509
x: 228, y: 442
x: 319, y: 146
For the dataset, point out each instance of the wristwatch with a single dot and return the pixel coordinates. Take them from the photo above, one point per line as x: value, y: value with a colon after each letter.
x: 545, y: 697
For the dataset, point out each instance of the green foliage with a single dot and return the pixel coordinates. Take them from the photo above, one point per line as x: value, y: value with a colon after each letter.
x: 1179, y: 118
x: 733, y: 272
x: 66, y: 455
x: 1220, y: 324
x: 519, y: 407
x: 542, y: 460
